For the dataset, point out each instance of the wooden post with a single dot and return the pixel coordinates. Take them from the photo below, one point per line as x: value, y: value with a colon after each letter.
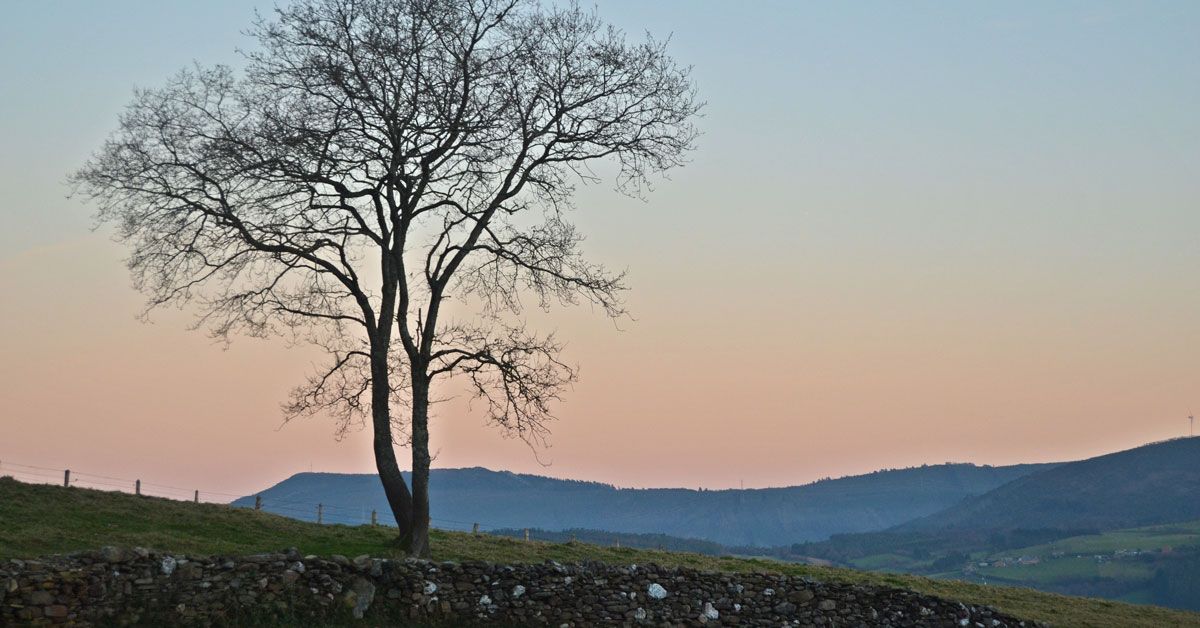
x: 618, y: 543
x: 320, y: 507
x: 475, y: 529
x: 526, y: 534
x: 67, y: 477
x: 258, y: 502
x: 197, y: 497
x: 137, y: 487
x: 374, y: 518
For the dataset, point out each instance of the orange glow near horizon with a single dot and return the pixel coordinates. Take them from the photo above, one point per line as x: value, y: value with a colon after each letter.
x: 910, y: 234
x: 666, y: 402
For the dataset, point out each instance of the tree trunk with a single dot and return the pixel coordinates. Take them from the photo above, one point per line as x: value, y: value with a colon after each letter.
x: 420, y: 471
x: 399, y: 499
x: 398, y: 496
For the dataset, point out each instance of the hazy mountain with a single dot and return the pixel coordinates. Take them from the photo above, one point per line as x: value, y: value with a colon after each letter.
x: 1064, y: 522
x: 762, y: 517
x: 1152, y: 484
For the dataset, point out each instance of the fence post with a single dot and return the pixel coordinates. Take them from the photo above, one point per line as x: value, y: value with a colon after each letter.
x: 618, y: 543
x: 137, y: 487
x: 258, y: 502
x: 196, y: 499
x: 527, y: 534
x: 320, y: 507
x: 374, y: 518
x: 67, y: 477
x: 475, y: 529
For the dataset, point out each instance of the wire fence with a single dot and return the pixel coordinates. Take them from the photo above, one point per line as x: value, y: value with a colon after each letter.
x: 318, y: 512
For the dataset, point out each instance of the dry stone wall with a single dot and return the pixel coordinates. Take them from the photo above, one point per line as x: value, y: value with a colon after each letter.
x: 115, y: 586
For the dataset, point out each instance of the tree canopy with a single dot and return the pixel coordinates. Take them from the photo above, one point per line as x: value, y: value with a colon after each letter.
x: 374, y: 159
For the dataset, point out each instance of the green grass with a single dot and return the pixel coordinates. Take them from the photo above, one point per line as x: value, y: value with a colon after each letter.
x: 889, y: 562
x: 1149, y: 538
x: 1071, y: 568
x: 37, y: 520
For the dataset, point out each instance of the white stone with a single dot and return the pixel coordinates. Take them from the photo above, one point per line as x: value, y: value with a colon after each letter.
x: 640, y: 614
x: 430, y: 587
x: 484, y: 600
x: 710, y: 612
x: 656, y: 591
x: 768, y: 592
x: 737, y: 608
x: 298, y: 567
x: 168, y: 565
x: 518, y: 591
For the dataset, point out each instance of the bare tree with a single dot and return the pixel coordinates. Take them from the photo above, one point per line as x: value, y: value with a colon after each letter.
x: 375, y: 159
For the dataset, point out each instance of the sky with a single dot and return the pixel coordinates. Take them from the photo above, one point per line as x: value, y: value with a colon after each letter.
x: 911, y: 233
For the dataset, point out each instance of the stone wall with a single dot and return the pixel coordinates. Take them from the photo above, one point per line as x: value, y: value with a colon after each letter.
x: 127, y: 586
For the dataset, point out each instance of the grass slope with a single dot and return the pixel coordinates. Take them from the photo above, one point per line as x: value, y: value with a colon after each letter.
x: 1144, y: 539
x: 37, y: 520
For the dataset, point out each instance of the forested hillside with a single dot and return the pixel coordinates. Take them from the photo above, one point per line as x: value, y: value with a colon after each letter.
x: 751, y: 517
x: 1148, y: 485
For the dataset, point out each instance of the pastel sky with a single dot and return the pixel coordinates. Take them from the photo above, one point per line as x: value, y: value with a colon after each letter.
x: 913, y: 233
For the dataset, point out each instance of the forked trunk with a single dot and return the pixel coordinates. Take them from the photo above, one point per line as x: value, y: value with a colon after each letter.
x: 399, y: 498
x: 420, y: 471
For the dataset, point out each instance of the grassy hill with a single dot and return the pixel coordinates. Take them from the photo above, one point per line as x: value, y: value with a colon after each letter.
x: 1145, y: 539
x: 1119, y: 526
x: 1155, y: 564
x: 750, y: 517
x: 41, y: 520
x: 1158, y: 564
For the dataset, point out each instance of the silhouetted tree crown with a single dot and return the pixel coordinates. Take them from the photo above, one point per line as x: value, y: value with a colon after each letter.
x: 375, y: 158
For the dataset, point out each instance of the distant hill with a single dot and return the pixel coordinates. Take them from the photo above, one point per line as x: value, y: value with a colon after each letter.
x: 1152, y: 484
x: 39, y: 520
x: 750, y: 517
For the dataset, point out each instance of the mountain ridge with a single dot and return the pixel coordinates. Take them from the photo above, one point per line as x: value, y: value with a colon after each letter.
x: 1146, y: 485
x: 745, y: 517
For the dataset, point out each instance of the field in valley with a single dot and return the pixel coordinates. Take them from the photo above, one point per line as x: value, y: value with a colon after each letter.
x: 41, y: 520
